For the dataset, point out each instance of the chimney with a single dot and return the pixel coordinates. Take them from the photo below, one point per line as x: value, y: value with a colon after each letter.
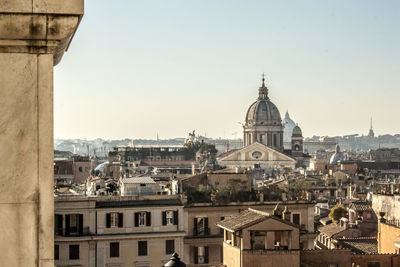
x: 261, y: 197
x: 286, y: 214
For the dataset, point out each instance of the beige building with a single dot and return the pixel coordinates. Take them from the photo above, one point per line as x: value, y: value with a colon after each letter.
x: 203, y: 241
x: 259, y: 239
x: 118, y: 231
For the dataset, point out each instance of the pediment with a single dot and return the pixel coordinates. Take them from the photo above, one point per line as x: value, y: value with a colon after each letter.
x: 257, y: 152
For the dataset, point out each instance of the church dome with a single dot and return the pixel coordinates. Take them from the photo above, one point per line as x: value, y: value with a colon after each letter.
x: 263, y: 112
x: 296, y: 130
x: 337, y: 156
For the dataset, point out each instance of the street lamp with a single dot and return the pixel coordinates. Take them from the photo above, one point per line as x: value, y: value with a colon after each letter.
x: 175, y: 261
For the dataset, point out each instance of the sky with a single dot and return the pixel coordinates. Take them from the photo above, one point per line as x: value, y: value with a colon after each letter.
x: 136, y: 69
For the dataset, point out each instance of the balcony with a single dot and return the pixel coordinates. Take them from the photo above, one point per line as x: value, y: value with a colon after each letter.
x: 201, y: 231
x: 73, y: 232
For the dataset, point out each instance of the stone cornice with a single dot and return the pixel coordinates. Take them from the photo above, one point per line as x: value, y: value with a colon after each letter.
x: 38, y: 26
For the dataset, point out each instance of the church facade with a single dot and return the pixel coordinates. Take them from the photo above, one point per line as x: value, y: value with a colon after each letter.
x: 263, y: 138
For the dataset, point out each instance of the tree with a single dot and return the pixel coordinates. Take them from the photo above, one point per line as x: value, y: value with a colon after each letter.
x: 337, y: 212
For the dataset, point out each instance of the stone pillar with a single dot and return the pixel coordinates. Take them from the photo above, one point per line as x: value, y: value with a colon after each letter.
x: 33, y: 37
x: 270, y: 237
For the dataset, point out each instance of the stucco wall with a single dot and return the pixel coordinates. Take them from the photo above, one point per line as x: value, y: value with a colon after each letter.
x: 387, y: 234
x: 390, y: 204
x: 231, y: 256
x: 318, y: 258
x: 283, y: 258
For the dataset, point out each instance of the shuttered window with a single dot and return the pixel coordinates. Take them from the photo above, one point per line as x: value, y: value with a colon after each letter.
x: 142, y: 248
x: 170, y: 217
x: 169, y: 246
x: 74, y: 252
x: 58, y: 224
x: 142, y: 218
x: 56, y: 252
x: 114, y: 219
x: 114, y: 249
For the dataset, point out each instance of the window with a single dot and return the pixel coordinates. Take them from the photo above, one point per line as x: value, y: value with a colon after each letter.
x: 170, y: 217
x: 142, y: 218
x: 73, y: 224
x: 262, y: 138
x: 142, y: 248
x: 58, y: 224
x: 114, y: 249
x: 200, y: 255
x: 296, y: 218
x: 200, y: 226
x: 333, y: 265
x: 256, y: 154
x: 80, y: 169
x: 169, y: 246
x: 56, y: 252
x: 373, y: 264
x: 74, y: 252
x: 114, y: 219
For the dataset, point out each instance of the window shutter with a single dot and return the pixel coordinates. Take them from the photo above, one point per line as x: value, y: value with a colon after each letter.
x: 206, y: 230
x: 120, y: 219
x: 164, y: 218
x: 67, y: 224
x: 108, y: 220
x: 136, y: 219
x: 196, y: 255
x: 148, y: 218
x: 80, y: 223
x: 205, y: 254
x: 176, y: 218
x: 195, y: 227
x: 58, y: 224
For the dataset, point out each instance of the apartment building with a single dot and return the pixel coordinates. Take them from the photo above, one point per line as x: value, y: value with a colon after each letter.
x: 118, y: 231
x: 203, y: 241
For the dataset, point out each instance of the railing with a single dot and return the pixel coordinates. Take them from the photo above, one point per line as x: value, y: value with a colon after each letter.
x: 84, y: 232
x: 395, y: 223
x: 201, y: 232
x: 270, y: 251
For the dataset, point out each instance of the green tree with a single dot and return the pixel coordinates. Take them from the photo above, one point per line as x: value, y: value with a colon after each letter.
x: 337, y: 212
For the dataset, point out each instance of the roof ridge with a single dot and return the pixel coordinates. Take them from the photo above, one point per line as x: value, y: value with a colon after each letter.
x: 259, y: 212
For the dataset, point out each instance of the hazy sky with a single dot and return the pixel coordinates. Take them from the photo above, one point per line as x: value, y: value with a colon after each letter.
x: 138, y: 68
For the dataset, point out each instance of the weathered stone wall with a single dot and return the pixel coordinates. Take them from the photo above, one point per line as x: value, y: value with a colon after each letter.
x: 279, y: 258
x: 33, y: 37
x: 383, y: 259
x: 318, y: 258
x: 390, y: 204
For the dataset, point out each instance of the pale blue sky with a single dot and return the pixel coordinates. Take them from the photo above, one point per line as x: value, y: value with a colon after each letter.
x: 136, y: 68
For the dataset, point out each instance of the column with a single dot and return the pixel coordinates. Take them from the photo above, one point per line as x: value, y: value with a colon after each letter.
x: 33, y: 37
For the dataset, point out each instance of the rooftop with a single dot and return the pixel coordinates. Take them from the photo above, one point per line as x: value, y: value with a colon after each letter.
x: 360, y: 206
x: 248, y: 218
x: 363, y: 245
x: 138, y: 180
x: 331, y: 229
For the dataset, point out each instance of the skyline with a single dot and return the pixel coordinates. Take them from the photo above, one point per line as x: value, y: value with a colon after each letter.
x: 185, y: 65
